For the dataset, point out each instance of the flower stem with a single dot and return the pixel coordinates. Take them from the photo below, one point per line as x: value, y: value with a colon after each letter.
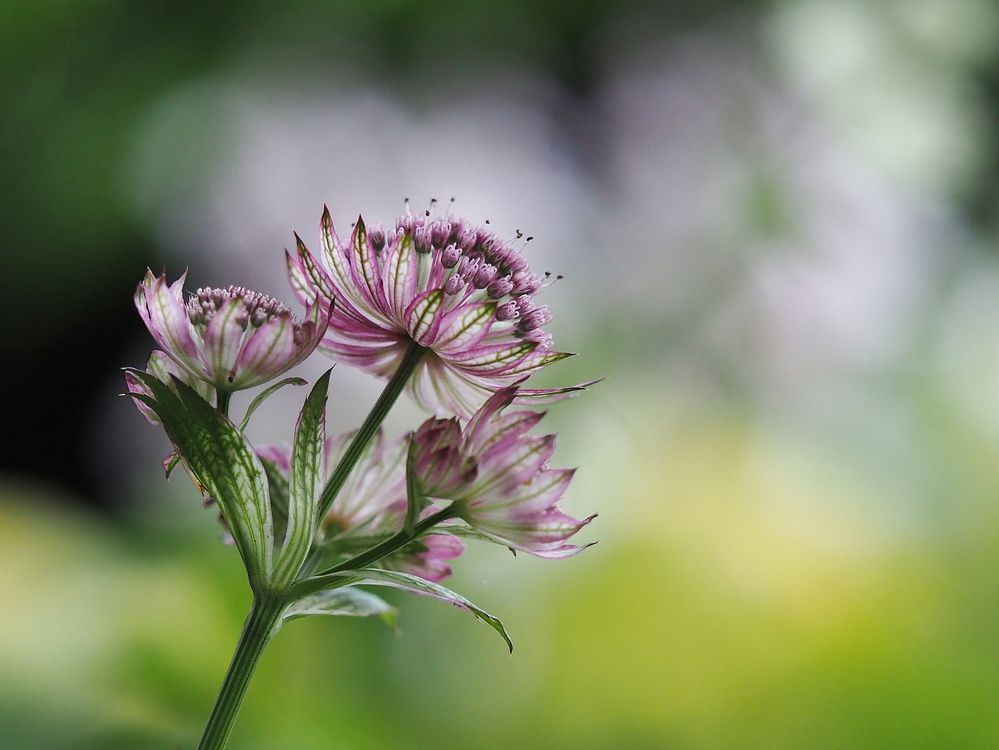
x: 371, y: 424
x: 383, y: 549
x: 262, y: 622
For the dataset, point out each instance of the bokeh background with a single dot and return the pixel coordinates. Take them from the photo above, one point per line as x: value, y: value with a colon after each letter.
x: 777, y: 226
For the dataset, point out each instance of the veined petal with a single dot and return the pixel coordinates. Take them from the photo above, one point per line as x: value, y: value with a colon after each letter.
x: 167, y: 320
x: 223, y: 337
x: 423, y: 319
x: 465, y: 326
x: 506, y: 430
x: 135, y: 385
x: 481, y: 420
x: 539, y: 396
x: 540, y: 493
x: 365, y: 264
x: 308, y: 279
x: 309, y: 333
x: 495, y: 359
x: 551, y: 551
x: 268, y: 350
x: 513, y: 466
x: 536, y: 361
x: 401, y: 276
x: 341, y: 274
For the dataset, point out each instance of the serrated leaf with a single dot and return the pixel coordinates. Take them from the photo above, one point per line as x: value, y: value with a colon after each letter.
x: 307, y: 472
x: 415, y: 585
x: 264, y: 395
x: 343, y: 602
x: 221, y: 459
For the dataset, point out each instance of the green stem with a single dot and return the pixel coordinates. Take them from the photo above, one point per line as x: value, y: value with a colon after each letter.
x: 261, y: 624
x: 383, y: 549
x: 222, y: 399
x: 371, y: 424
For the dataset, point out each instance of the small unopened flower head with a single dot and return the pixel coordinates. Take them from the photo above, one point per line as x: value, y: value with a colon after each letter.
x: 451, y: 287
x: 232, y: 338
x: 440, y: 466
x: 512, y: 495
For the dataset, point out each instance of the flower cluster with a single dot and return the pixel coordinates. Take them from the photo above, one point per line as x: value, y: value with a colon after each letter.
x: 443, y: 309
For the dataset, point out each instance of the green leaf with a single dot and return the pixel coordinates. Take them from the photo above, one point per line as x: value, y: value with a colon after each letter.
x: 343, y: 602
x: 306, y: 482
x: 413, y: 584
x: 278, y: 488
x: 264, y: 395
x: 222, y: 460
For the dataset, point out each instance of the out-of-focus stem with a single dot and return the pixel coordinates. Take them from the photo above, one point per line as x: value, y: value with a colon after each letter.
x: 261, y: 624
x: 371, y: 424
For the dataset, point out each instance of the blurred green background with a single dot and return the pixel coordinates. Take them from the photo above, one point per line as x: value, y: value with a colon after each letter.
x: 777, y: 223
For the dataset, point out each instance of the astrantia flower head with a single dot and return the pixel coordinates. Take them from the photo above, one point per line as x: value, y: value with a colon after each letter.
x: 232, y: 338
x: 457, y: 290
x: 499, y: 481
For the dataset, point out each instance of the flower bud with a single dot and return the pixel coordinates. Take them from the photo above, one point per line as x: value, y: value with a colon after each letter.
x: 438, y: 463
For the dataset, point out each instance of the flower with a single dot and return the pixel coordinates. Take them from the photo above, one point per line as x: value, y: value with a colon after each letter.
x: 497, y: 477
x: 372, y: 504
x: 232, y: 338
x: 455, y: 289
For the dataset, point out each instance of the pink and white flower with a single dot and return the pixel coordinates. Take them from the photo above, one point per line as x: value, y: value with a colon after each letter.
x: 232, y: 338
x: 497, y: 477
x: 457, y: 290
x: 372, y: 504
